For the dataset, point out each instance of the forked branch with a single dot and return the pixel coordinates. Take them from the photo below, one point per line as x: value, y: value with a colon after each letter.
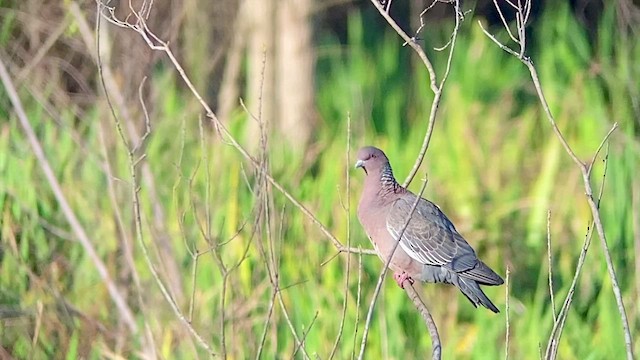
x: 436, y: 86
x: 522, y: 14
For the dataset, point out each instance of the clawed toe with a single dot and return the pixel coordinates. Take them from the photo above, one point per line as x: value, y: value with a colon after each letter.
x: 400, y: 279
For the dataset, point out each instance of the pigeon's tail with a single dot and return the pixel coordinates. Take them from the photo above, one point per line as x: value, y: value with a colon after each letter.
x: 467, y: 284
x: 483, y: 275
x: 472, y: 291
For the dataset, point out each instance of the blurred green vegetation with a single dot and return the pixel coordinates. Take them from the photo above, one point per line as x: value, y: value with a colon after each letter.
x: 494, y: 166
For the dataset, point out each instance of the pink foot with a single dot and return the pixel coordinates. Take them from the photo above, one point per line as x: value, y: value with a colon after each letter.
x: 400, y: 278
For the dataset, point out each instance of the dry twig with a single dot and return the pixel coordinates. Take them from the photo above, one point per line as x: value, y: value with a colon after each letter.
x: 347, y: 209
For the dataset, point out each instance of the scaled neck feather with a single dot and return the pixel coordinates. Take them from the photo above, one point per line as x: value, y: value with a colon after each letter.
x: 388, y: 183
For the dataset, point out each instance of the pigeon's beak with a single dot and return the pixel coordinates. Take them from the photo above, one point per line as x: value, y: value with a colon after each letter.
x: 360, y: 164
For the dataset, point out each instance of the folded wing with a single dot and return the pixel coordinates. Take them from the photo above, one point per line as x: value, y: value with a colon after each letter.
x: 432, y: 239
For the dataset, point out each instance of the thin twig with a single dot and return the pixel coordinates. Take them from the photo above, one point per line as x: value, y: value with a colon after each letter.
x: 264, y: 197
x: 358, y: 298
x: 304, y: 336
x: 422, y: 23
x: 267, y: 321
x: 299, y: 343
x: 551, y: 294
x: 348, y: 234
x: 604, y: 140
x: 504, y: 22
x: 411, y: 41
x: 507, y: 295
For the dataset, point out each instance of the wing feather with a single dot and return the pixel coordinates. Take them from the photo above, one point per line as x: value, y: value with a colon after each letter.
x: 430, y: 237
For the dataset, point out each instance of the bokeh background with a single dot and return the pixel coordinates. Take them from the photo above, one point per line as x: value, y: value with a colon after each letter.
x: 304, y: 68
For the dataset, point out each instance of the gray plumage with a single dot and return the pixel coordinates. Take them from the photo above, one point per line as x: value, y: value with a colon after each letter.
x: 431, y: 249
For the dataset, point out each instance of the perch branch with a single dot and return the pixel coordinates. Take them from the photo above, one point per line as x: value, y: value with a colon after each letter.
x: 428, y: 319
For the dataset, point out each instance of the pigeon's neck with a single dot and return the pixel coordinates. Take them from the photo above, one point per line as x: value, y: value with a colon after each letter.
x: 388, y: 183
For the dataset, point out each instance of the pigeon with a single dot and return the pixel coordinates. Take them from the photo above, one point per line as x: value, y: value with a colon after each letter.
x: 431, y: 249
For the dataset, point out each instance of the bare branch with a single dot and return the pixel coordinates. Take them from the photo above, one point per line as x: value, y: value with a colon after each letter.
x: 422, y: 23
x: 299, y: 343
x: 504, y: 22
x: 138, y: 218
x: 436, y: 345
x: 523, y: 12
x: 411, y: 41
x: 304, y: 336
x: 497, y: 42
x: 604, y: 140
x: 358, y: 297
x: 558, y: 325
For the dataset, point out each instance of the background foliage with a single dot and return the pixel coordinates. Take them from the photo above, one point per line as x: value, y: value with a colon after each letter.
x: 494, y: 167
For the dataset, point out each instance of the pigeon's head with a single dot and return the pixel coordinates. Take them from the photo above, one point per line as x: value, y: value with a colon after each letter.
x: 371, y: 159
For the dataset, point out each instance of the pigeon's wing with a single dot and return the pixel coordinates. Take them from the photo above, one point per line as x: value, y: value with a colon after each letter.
x: 429, y: 237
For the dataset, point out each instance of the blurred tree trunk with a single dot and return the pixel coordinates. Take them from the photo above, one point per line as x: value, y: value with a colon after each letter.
x: 295, y: 71
x: 277, y: 37
x: 261, y: 57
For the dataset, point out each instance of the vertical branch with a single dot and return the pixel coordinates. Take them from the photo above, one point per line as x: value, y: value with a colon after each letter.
x: 558, y: 325
x: 437, y: 89
x: 269, y: 259
x: 507, y: 295
x: 523, y: 11
x: 135, y: 190
x: 347, y: 210
x: 436, y: 345
x: 358, y: 296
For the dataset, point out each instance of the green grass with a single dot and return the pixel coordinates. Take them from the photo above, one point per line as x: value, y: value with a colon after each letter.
x: 494, y: 166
